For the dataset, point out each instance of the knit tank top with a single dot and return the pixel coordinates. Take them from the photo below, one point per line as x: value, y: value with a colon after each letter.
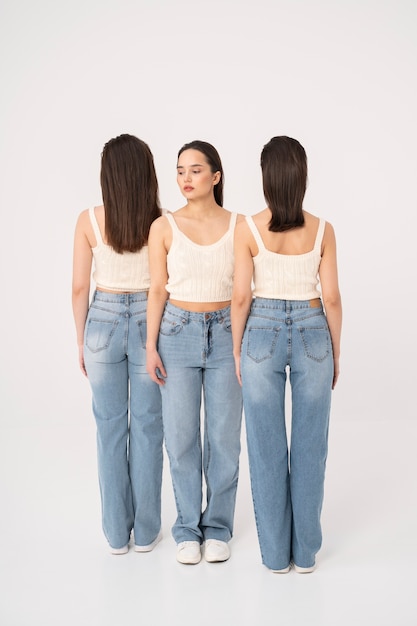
x: 199, y: 273
x: 128, y: 271
x: 286, y: 276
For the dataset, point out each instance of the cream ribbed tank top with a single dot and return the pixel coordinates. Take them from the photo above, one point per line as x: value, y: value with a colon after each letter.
x: 286, y: 276
x: 128, y: 271
x: 199, y: 273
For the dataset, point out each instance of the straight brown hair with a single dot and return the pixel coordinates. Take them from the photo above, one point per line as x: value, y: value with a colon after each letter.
x: 130, y: 192
x: 284, y: 176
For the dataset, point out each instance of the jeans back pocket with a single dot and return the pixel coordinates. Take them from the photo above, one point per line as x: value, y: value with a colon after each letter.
x: 262, y: 342
x: 316, y: 342
x: 99, y: 333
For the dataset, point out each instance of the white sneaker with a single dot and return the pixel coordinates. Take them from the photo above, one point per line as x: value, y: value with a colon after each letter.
x: 123, y: 550
x: 189, y: 552
x: 304, y: 570
x: 150, y: 546
x: 216, y: 551
x: 285, y: 570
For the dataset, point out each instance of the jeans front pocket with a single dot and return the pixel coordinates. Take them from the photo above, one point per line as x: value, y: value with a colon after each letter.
x: 226, y: 323
x: 171, y: 324
x: 262, y: 342
x: 98, y: 334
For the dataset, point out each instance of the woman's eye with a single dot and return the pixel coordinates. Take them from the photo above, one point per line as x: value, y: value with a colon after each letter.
x: 196, y: 171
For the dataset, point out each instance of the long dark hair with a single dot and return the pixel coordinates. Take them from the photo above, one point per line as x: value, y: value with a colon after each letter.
x: 284, y: 175
x: 213, y: 159
x: 130, y: 192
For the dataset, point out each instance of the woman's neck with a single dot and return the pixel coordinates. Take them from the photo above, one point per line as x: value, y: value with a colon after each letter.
x: 203, y: 207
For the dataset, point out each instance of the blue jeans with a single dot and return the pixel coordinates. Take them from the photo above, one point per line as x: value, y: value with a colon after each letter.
x: 287, y: 490
x: 128, y: 412
x: 196, y: 349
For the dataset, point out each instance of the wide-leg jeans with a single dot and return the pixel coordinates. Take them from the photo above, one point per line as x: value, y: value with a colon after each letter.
x: 287, y: 487
x: 128, y: 411
x: 196, y: 349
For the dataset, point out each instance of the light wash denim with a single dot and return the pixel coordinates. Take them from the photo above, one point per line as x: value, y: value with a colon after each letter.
x: 287, y: 489
x: 196, y: 349
x: 128, y: 411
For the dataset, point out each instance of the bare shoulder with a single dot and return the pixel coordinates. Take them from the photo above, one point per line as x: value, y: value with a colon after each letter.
x: 160, y: 225
x: 262, y: 218
x: 241, y: 225
x: 160, y: 234
x: 329, y: 233
x: 311, y: 220
x: 328, y: 245
x: 83, y: 218
x: 84, y: 227
x: 244, y: 236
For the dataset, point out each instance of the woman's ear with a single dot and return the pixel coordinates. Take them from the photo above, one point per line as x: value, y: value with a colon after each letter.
x: 216, y: 178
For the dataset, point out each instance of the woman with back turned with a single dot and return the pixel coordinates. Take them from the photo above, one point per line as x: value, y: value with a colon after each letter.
x: 286, y: 251
x: 111, y: 335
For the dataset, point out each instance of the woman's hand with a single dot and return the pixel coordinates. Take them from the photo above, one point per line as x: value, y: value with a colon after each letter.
x: 81, y: 360
x: 336, y: 372
x: 155, y: 367
x: 237, y: 369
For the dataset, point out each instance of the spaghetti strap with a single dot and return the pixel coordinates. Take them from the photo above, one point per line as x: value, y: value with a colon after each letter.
x: 255, y: 232
x: 320, y: 233
x: 232, y: 224
x: 172, y: 222
x: 94, y: 224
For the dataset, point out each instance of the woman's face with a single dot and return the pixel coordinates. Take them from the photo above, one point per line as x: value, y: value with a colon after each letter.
x: 194, y: 175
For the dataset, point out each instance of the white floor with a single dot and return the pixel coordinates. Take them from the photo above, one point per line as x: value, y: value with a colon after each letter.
x: 55, y: 568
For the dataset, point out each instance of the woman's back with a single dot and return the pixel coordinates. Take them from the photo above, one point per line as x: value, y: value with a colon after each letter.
x: 114, y: 271
x: 295, y: 241
x: 286, y: 263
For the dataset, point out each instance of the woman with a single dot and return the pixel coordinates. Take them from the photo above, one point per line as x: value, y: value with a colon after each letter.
x: 189, y: 350
x: 285, y: 251
x: 111, y: 336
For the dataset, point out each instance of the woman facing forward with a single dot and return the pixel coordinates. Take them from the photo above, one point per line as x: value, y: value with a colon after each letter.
x: 111, y: 336
x: 286, y: 251
x: 189, y: 351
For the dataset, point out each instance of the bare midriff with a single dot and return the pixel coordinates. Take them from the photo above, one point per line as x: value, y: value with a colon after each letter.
x: 200, y: 307
x: 120, y: 292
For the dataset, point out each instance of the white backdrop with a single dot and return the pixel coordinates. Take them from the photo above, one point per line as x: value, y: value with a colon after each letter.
x: 338, y: 76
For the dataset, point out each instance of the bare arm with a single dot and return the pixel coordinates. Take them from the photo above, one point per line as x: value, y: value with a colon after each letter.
x: 331, y: 295
x: 82, y: 261
x: 242, y: 289
x: 157, y: 297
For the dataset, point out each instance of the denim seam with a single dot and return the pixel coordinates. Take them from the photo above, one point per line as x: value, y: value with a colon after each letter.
x: 102, y: 308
